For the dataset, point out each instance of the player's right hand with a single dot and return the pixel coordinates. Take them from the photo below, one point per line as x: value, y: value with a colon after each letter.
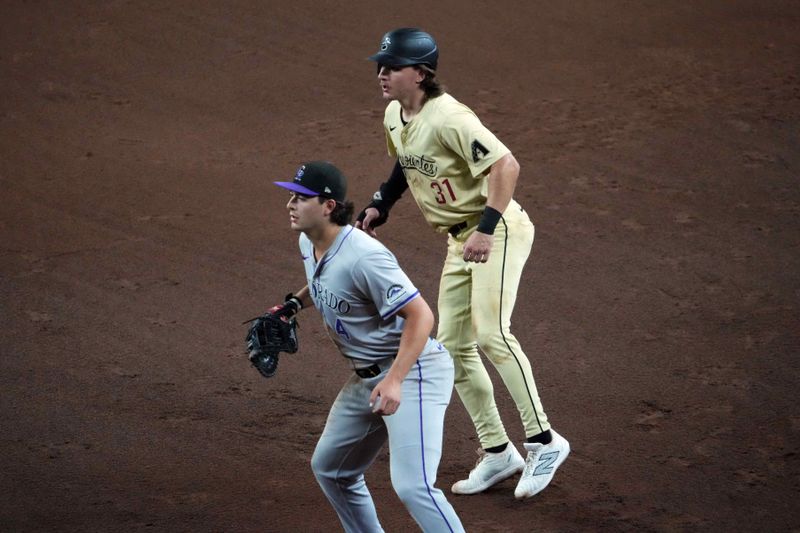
x: 386, y: 396
x: 370, y: 214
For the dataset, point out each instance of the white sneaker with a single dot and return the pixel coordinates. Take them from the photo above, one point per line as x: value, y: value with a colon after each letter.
x: 491, y: 468
x: 541, y: 465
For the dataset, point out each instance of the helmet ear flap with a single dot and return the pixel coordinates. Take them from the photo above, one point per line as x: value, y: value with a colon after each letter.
x: 426, y: 70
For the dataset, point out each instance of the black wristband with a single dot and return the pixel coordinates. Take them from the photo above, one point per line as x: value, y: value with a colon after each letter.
x: 489, y: 220
x: 293, y: 301
x: 383, y: 214
x: 384, y: 198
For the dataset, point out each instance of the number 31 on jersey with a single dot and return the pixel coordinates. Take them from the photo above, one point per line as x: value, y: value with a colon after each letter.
x: 443, y: 191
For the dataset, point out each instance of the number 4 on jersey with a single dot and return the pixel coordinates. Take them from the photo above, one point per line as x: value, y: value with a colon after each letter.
x: 340, y: 330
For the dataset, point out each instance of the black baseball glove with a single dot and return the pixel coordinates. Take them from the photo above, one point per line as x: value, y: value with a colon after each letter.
x: 269, y: 335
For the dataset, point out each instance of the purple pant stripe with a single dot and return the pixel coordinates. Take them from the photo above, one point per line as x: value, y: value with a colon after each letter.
x: 422, y: 448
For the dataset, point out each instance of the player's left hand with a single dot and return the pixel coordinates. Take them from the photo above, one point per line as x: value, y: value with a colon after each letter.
x: 478, y: 247
x: 385, y: 397
x: 370, y: 221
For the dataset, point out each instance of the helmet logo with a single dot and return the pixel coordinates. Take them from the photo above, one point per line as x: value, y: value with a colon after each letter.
x: 385, y: 43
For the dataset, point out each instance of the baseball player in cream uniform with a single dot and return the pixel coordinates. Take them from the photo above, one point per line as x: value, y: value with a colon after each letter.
x: 463, y: 178
x: 402, y: 378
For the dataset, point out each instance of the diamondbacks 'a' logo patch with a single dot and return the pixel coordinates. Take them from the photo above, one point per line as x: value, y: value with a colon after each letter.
x: 394, y: 294
x: 479, y: 151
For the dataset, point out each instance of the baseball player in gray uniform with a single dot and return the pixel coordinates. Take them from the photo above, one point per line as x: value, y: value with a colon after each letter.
x: 402, y: 378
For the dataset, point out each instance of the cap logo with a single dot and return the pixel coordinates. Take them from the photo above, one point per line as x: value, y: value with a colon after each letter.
x: 385, y: 44
x: 300, y: 172
x: 328, y: 190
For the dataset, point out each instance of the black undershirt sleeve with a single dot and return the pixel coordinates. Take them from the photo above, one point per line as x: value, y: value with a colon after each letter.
x: 389, y: 192
x: 392, y: 189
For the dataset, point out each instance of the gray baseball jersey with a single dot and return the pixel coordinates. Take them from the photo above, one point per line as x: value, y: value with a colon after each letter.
x: 359, y: 287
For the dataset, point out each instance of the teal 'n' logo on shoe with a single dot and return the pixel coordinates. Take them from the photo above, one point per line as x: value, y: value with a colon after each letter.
x: 545, y: 465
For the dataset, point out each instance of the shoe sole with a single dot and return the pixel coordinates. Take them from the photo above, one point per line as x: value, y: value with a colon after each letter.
x: 494, y: 480
x: 555, y: 469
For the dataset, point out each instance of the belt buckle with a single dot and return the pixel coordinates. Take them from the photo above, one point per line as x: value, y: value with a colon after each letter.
x: 368, y: 372
x: 455, y: 229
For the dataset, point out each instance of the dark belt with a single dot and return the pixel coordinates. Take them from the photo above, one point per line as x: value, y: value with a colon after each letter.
x: 456, y: 229
x: 368, y: 372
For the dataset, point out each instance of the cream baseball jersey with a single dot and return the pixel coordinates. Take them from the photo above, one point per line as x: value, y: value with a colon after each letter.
x: 445, y: 152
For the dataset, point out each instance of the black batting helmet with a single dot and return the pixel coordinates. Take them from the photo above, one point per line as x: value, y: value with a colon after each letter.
x: 407, y: 46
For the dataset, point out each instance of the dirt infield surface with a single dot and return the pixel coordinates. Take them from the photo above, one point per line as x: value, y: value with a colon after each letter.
x: 660, y: 152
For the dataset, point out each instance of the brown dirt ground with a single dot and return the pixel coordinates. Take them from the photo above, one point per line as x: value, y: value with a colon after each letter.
x: 139, y: 226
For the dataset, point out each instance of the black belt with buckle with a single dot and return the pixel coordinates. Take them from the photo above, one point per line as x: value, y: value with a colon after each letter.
x: 456, y: 229
x: 368, y: 372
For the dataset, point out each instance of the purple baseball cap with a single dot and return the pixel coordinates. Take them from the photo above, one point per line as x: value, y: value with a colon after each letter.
x: 318, y: 178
